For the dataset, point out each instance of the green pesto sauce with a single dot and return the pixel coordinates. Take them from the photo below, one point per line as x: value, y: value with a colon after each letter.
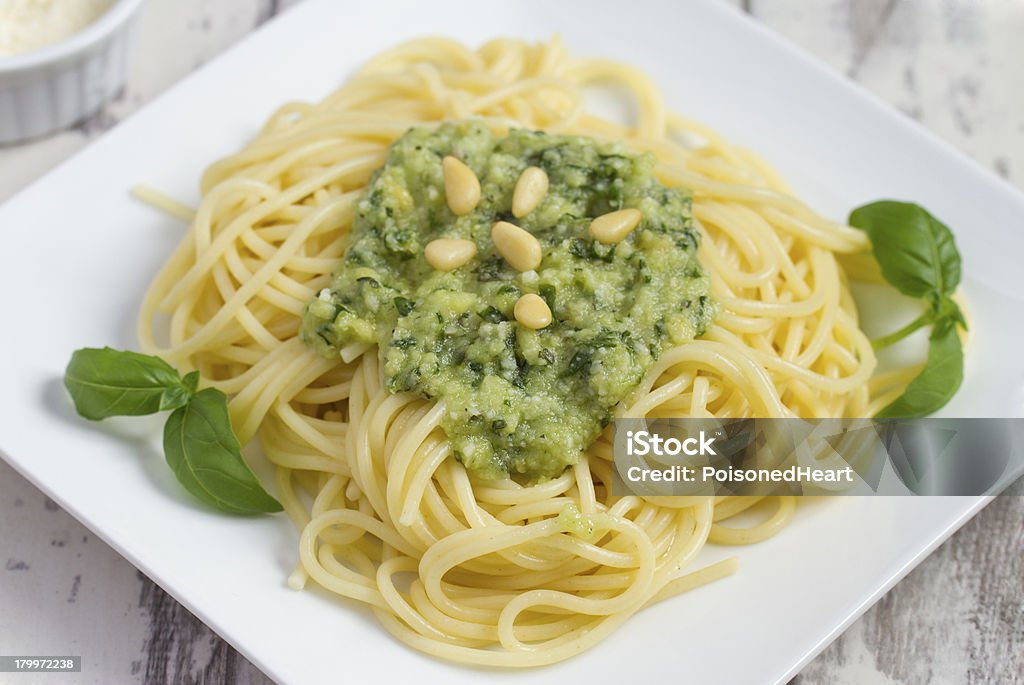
x: 517, y: 401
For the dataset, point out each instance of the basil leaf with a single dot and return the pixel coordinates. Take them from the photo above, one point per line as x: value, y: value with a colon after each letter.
x: 191, y: 381
x: 948, y: 309
x: 915, y: 250
x: 204, y: 454
x: 178, y: 396
x: 107, y: 382
x: 938, y: 381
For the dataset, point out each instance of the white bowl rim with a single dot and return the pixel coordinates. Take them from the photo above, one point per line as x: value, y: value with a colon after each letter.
x: 105, y: 24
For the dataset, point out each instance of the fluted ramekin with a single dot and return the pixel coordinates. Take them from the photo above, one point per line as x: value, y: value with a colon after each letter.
x: 53, y: 88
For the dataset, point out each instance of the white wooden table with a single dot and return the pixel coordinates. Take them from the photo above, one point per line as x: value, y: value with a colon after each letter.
x: 957, y: 66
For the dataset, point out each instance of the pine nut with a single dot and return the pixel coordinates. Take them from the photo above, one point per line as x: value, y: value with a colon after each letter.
x: 532, y: 311
x: 520, y: 249
x: 614, y: 226
x: 446, y: 254
x: 461, y: 186
x: 531, y: 188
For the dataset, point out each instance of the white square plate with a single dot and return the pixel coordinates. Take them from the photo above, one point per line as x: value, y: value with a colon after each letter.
x: 77, y: 251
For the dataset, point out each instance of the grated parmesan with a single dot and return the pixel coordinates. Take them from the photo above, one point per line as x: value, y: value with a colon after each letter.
x: 27, y: 25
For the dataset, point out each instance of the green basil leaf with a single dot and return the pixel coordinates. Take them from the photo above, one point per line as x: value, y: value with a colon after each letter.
x: 191, y: 381
x: 204, y: 454
x: 937, y: 382
x: 915, y: 250
x: 948, y: 309
x: 178, y: 395
x: 107, y: 382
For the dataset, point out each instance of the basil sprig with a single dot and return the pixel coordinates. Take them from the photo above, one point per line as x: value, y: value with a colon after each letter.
x: 109, y: 383
x: 918, y: 257
x: 199, y: 443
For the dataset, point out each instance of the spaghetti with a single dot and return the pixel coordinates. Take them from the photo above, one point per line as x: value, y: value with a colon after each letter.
x: 502, y: 574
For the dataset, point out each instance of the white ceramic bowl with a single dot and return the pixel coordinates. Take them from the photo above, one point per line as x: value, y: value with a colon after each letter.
x: 52, y: 88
